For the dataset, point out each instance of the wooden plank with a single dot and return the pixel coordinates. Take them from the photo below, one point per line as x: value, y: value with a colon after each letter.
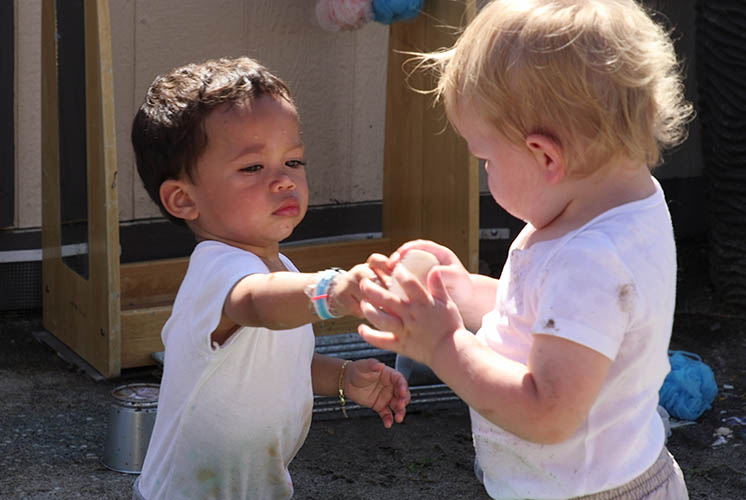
x: 141, y: 282
x: 70, y: 356
x: 66, y: 297
x: 312, y: 258
x: 431, y: 182
x: 141, y: 335
x: 84, y: 314
x: 347, y: 324
x: 157, y: 280
x: 403, y: 196
x: 452, y: 179
x: 148, y: 289
x: 103, y: 212
x: 50, y: 234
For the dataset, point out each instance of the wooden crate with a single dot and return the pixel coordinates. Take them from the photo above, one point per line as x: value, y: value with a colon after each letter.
x: 113, y: 318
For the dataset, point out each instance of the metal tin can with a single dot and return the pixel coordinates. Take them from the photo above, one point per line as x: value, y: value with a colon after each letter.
x: 131, y: 419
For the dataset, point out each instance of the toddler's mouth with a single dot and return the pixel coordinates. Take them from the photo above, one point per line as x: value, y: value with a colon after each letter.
x: 289, y: 207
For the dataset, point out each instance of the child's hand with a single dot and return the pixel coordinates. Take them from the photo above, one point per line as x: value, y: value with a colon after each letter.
x: 371, y: 383
x: 455, y: 276
x: 415, y: 326
x: 345, y: 295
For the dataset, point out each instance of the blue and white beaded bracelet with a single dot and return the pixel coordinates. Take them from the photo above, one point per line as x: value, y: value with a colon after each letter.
x: 320, y: 295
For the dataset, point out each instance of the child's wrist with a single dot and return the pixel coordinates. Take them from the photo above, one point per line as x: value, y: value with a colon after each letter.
x: 320, y: 291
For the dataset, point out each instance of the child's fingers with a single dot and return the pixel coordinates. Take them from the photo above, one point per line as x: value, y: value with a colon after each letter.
x: 400, y: 413
x: 382, y: 279
x: 437, y: 286
x: 383, y: 321
x: 377, y: 260
x: 404, y: 394
x: 380, y: 264
x: 387, y: 417
x: 415, y: 290
x: 443, y: 254
x: 375, y: 293
x: 376, y: 338
x: 400, y: 404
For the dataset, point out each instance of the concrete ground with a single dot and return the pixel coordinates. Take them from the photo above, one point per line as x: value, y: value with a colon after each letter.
x: 53, y: 423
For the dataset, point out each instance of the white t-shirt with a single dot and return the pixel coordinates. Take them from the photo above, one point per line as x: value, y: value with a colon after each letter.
x: 610, y: 286
x: 230, y: 418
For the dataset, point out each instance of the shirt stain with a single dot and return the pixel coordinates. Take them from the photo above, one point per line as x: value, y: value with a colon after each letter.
x: 627, y: 297
x: 206, y: 475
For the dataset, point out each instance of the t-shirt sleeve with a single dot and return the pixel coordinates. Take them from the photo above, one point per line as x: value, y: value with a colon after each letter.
x: 587, y: 295
x: 213, y: 271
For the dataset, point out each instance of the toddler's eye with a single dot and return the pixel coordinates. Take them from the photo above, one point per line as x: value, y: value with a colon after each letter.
x: 252, y: 168
x: 295, y: 163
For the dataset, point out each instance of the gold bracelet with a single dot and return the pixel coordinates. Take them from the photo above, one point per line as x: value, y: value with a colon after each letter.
x: 340, y: 389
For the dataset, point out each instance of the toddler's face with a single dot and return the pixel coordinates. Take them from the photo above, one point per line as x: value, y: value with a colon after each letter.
x: 250, y: 185
x: 513, y: 176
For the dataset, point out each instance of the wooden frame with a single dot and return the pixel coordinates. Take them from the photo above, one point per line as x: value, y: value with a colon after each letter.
x: 431, y: 182
x: 113, y: 320
x: 83, y: 313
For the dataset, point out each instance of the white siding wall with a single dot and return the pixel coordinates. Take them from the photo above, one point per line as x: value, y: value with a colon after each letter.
x: 28, y: 113
x: 338, y: 80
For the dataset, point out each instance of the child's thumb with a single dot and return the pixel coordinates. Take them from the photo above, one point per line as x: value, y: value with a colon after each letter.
x: 437, y: 286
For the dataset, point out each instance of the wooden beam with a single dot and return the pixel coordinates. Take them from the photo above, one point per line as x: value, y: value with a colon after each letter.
x: 149, y: 288
x: 103, y: 206
x: 141, y: 334
x: 431, y: 182
x: 83, y: 313
x: 312, y: 258
x: 154, y: 280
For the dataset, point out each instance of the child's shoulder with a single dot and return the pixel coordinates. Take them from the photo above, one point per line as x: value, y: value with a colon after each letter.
x: 212, y: 248
x: 635, y: 222
x: 213, y: 258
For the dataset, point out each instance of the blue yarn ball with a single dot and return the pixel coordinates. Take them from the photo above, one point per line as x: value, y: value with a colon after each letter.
x: 389, y: 11
x: 689, y: 388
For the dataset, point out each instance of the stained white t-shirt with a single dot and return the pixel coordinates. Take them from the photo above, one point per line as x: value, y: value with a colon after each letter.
x: 232, y: 417
x: 610, y: 286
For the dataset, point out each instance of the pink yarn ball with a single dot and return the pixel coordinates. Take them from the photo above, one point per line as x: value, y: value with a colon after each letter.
x: 335, y: 15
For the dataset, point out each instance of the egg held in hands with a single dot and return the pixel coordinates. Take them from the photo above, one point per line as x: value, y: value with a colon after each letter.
x: 417, y: 262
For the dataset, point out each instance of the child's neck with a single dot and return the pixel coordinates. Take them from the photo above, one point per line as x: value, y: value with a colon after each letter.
x: 274, y: 264
x: 617, y: 183
x: 270, y: 255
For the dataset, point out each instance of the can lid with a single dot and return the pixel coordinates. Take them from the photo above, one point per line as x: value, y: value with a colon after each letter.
x: 143, y: 395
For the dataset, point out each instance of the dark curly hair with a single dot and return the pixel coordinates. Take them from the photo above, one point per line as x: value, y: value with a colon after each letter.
x: 168, y: 133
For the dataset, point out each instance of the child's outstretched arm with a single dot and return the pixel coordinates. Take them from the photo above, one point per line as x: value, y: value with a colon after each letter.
x: 474, y: 294
x: 279, y: 300
x: 368, y: 382
x: 544, y: 400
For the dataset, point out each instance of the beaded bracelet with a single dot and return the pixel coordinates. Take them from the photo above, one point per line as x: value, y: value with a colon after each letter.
x: 340, y: 388
x: 319, y: 293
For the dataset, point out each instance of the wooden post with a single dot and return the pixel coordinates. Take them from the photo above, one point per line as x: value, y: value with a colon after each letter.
x: 83, y: 313
x: 113, y: 319
x: 431, y: 182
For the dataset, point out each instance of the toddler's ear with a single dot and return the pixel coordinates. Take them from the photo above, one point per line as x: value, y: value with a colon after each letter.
x: 549, y: 155
x: 177, y: 201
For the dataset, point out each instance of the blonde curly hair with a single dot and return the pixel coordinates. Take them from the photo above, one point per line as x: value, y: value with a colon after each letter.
x: 600, y: 77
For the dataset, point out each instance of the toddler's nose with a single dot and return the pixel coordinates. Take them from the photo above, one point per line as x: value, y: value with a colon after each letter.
x: 283, y: 183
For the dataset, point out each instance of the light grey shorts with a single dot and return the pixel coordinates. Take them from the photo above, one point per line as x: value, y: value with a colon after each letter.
x: 662, y: 481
